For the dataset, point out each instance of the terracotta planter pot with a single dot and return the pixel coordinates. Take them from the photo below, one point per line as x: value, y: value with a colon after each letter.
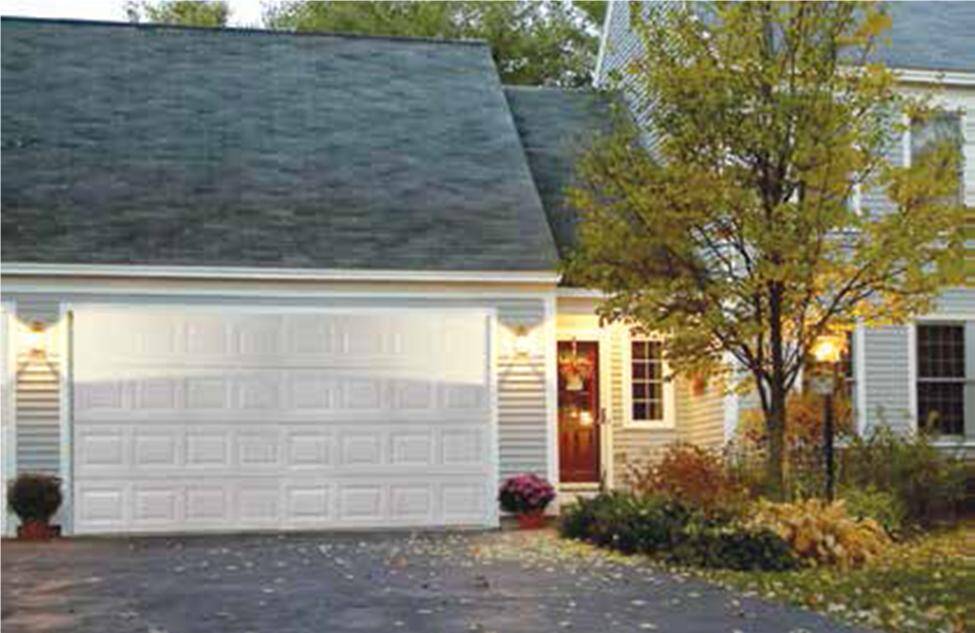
x: 531, y: 520
x: 37, y: 531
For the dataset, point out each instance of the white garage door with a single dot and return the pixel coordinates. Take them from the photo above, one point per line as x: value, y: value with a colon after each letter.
x: 207, y: 419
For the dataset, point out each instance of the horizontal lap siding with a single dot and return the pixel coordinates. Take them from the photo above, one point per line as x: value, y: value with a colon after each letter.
x: 522, y: 413
x: 631, y: 447
x: 700, y: 416
x: 887, y: 372
x: 38, y: 401
x: 522, y: 417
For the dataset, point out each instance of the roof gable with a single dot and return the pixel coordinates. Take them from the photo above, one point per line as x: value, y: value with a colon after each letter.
x: 175, y: 146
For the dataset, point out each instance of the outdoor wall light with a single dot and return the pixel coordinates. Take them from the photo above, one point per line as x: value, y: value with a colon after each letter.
x: 522, y: 345
x: 35, y: 339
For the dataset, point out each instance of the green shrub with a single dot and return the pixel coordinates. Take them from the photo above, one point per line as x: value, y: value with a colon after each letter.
x: 34, y: 496
x: 927, y: 482
x: 885, y: 508
x: 625, y: 522
x: 662, y: 527
x: 734, y: 546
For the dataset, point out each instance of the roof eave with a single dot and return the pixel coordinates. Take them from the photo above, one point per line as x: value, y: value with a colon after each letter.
x: 279, y: 274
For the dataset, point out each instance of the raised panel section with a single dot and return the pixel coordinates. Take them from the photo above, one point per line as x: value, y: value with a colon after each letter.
x: 257, y: 449
x: 101, y: 448
x: 309, y: 449
x: 102, y: 504
x: 206, y: 503
x: 361, y: 503
x: 361, y: 449
x: 156, y: 448
x: 412, y: 449
x: 155, y: 505
x: 205, y: 449
x: 411, y: 502
x: 309, y: 503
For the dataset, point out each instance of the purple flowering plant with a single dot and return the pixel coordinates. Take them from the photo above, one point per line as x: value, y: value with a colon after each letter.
x: 525, y: 493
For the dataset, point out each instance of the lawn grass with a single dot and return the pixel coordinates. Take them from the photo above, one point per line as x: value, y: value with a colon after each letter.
x: 926, y: 584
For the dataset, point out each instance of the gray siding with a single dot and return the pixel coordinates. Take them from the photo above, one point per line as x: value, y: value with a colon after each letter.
x: 522, y: 417
x: 887, y: 377
x: 700, y: 414
x: 38, y: 400
x: 621, y: 47
x: 631, y: 446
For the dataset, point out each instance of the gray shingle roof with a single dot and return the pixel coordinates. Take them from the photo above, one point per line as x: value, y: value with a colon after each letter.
x: 174, y: 146
x: 931, y: 36
x: 557, y: 126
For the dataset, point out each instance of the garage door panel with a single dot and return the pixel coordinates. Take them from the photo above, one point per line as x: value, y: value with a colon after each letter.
x: 194, y: 337
x: 223, y: 504
x: 321, y: 394
x: 199, y: 420
x: 153, y: 450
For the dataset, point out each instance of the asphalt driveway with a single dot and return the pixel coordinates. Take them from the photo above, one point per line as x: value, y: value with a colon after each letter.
x: 506, y: 582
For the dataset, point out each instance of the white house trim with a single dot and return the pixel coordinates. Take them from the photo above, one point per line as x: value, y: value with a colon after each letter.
x: 602, y: 336
x: 312, y: 274
x: 859, y: 355
x: 669, y: 392
x: 947, y: 78
x: 8, y: 310
x: 912, y: 375
x: 603, y: 43
x: 550, y: 337
x: 66, y: 428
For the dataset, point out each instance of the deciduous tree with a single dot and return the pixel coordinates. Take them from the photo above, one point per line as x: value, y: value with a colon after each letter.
x: 181, y: 12
x: 540, y: 43
x: 736, y: 230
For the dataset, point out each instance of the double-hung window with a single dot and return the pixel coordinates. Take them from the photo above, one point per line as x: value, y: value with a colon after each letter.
x: 650, y: 395
x: 944, y: 393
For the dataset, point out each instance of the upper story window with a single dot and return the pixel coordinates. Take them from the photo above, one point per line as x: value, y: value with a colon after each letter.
x: 650, y: 397
x: 932, y: 132
x: 941, y: 378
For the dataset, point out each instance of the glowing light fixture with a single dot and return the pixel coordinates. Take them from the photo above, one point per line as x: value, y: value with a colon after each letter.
x: 828, y: 349
x: 34, y: 338
x: 522, y: 345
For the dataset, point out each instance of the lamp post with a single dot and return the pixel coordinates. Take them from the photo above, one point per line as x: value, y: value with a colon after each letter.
x: 828, y: 351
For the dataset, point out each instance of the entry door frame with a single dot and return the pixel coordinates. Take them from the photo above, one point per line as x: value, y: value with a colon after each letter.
x: 602, y: 337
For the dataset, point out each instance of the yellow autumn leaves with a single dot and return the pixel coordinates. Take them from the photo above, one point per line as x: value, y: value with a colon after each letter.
x: 823, y: 533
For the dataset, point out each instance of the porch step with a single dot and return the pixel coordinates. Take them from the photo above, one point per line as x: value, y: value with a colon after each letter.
x: 569, y: 492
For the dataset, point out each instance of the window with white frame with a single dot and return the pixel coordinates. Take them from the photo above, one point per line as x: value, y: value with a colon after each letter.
x: 941, y: 378
x: 649, y: 395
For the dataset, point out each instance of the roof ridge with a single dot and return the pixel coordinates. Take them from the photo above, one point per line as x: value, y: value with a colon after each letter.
x: 243, y: 30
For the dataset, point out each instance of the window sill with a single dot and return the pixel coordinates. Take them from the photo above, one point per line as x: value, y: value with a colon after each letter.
x: 648, y: 425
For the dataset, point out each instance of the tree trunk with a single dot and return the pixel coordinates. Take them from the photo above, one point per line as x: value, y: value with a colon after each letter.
x: 775, y: 423
x: 776, y: 417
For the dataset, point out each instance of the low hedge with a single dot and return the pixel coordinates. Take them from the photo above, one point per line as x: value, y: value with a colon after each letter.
x: 667, y: 529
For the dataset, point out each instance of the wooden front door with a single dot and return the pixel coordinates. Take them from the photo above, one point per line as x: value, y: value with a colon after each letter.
x: 578, y: 369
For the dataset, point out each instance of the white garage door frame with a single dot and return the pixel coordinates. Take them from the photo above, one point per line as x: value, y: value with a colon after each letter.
x: 8, y: 365
x: 69, y: 430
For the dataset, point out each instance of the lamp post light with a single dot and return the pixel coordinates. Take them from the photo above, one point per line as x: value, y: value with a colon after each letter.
x: 828, y: 350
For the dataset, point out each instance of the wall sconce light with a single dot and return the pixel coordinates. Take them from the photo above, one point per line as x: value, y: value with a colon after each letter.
x: 522, y: 345
x: 34, y: 338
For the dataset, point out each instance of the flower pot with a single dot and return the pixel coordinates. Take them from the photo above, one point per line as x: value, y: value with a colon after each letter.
x: 531, y: 520
x: 36, y: 531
